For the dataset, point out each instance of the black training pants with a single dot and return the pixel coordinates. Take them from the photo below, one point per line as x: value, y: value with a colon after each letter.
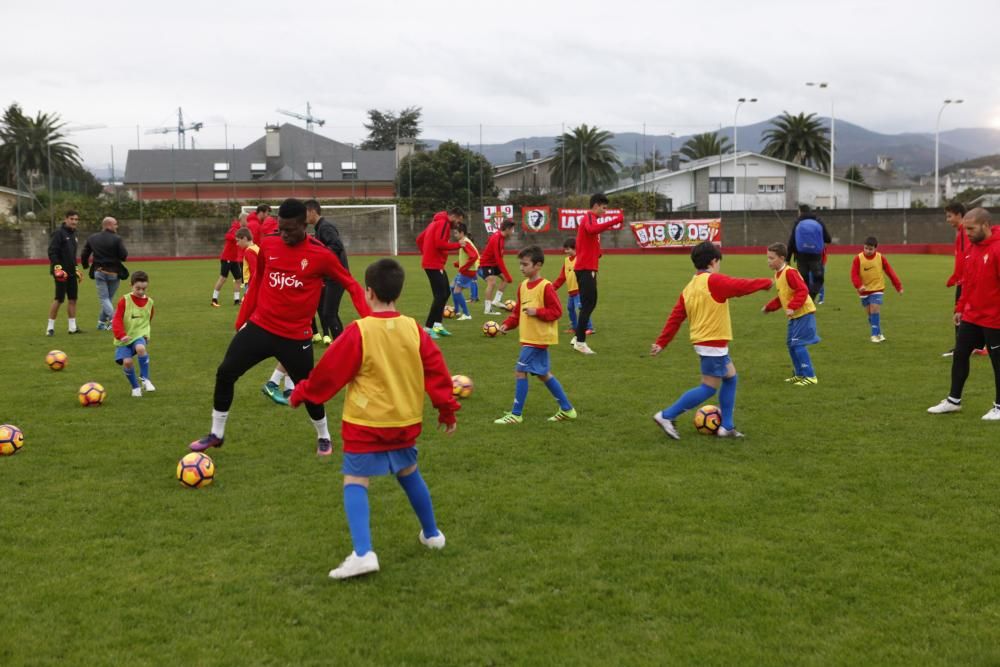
x: 330, y: 308
x: 441, y: 291
x: 587, y: 282
x: 973, y: 337
x: 252, y: 345
x: 811, y: 268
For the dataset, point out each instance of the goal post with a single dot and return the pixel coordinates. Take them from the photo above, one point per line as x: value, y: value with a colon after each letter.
x: 366, y: 229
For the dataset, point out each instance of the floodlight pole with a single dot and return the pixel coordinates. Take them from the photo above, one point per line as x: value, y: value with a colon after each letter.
x: 833, y: 135
x: 937, y: 141
x: 740, y: 102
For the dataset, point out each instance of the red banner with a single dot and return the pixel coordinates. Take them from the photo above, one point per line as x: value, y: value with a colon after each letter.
x: 569, y: 218
x: 535, y: 218
x: 676, y: 233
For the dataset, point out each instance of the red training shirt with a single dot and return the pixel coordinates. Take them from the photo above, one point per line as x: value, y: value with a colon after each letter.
x: 980, y: 300
x: 230, y: 251
x: 798, y: 285
x: 858, y: 282
x: 493, y: 255
x: 962, y: 243
x: 471, y: 256
x: 435, y: 242
x: 588, y: 241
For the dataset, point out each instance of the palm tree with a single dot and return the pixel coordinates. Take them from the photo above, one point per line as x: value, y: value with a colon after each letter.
x: 853, y: 173
x: 704, y: 145
x: 801, y: 139
x: 584, y: 160
x: 33, y: 142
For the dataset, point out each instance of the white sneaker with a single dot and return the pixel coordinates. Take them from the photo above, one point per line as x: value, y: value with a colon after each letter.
x: 583, y: 348
x: 355, y: 565
x: 147, y: 385
x: 875, y: 339
x: 137, y: 393
x: 436, y: 542
x: 464, y: 317
x: 993, y: 415
x: 572, y: 341
x: 724, y: 432
x: 881, y: 338
x: 668, y: 426
x: 945, y: 406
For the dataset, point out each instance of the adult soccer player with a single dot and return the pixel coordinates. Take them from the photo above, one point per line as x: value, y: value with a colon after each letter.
x: 328, y: 235
x: 977, y: 312
x: 435, y: 243
x: 62, y: 266
x: 276, y: 317
x: 953, y: 214
x: 230, y: 263
x: 588, y: 258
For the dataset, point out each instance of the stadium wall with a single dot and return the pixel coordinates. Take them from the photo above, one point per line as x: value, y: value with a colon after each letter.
x: 923, y: 229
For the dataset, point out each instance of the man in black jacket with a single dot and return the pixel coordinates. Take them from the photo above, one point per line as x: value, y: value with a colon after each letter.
x: 107, y: 270
x: 809, y: 238
x: 328, y: 234
x: 62, y: 267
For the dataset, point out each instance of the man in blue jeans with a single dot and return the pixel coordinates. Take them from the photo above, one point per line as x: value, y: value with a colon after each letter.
x: 107, y: 270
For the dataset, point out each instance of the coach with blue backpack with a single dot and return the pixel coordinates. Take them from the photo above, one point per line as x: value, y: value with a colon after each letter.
x: 809, y: 238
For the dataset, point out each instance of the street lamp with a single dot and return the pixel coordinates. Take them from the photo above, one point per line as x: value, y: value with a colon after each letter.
x: 740, y: 102
x: 937, y: 133
x: 833, y: 134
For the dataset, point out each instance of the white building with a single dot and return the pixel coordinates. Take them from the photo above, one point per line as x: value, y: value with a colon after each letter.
x: 750, y: 182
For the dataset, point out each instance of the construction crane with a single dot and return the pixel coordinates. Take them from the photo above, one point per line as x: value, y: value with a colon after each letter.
x: 308, y: 118
x: 180, y: 129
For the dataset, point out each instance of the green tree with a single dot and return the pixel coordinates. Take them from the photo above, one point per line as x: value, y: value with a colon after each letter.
x: 448, y: 176
x: 384, y: 127
x: 801, y: 139
x: 853, y: 173
x: 33, y: 142
x: 705, y: 145
x: 589, y: 160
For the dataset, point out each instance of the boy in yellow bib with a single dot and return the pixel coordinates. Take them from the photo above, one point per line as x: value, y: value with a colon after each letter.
x: 793, y: 296
x: 131, y: 328
x: 705, y: 302
x: 538, y: 301
x: 868, y: 272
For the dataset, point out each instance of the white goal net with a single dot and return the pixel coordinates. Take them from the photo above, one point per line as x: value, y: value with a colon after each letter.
x: 366, y: 229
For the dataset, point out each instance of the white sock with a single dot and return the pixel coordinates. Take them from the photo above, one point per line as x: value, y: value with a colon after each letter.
x: 236, y: 295
x: 52, y: 325
x: 276, y: 377
x: 438, y: 325
x: 322, y: 430
x: 288, y: 382
x: 219, y: 423
x: 72, y: 324
x: 497, y: 298
x: 215, y: 294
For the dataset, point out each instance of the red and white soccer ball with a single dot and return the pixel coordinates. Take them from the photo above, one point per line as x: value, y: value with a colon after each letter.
x: 91, y: 395
x: 56, y: 360
x: 491, y: 328
x: 461, y: 386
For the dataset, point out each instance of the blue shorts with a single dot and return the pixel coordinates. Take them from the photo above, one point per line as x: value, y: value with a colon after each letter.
x: 875, y: 298
x: 533, y: 360
x: 715, y: 366
x: 374, y: 464
x: 464, y: 282
x: 128, y: 351
x: 802, y: 331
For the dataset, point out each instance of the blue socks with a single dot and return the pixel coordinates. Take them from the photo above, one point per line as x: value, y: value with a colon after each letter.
x: 801, y: 361
x: 460, y: 304
x: 727, y: 401
x: 356, y: 508
x: 420, y: 500
x: 520, y: 395
x: 132, y: 379
x: 553, y: 385
x: 474, y: 290
x: 144, y: 366
x: 692, y: 398
x: 875, y: 320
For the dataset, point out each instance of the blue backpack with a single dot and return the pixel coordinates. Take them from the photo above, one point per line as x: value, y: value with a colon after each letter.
x: 809, y: 237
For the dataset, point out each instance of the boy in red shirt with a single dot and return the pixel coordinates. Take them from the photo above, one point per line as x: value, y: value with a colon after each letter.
x: 567, y: 276
x: 588, y: 257
x: 387, y: 362
x: 868, y: 272
x: 493, y: 268
x: 230, y: 263
x: 468, y: 266
x: 793, y: 297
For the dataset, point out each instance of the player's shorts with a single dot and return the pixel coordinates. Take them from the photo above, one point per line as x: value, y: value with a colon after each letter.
x: 373, y: 464
x: 533, y: 360
x: 870, y: 299
x: 487, y: 271
x: 235, y: 269
x: 128, y: 351
x: 464, y: 282
x: 802, y: 331
x: 67, y: 289
x: 715, y: 366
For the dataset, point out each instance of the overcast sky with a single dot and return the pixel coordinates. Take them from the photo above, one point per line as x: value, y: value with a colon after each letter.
x: 518, y: 67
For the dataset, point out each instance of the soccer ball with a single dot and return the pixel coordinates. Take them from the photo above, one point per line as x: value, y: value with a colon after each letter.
x: 56, y: 360
x: 449, y: 312
x: 12, y: 439
x: 91, y: 395
x: 510, y: 304
x: 491, y: 328
x: 195, y: 470
x: 708, y: 419
x: 461, y: 386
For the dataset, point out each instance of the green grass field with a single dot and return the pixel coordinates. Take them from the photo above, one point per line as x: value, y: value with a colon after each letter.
x: 849, y: 527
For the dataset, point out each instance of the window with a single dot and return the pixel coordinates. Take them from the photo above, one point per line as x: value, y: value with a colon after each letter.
x: 767, y: 185
x: 314, y: 170
x: 257, y: 169
x: 349, y: 171
x: 720, y: 186
x: 221, y: 171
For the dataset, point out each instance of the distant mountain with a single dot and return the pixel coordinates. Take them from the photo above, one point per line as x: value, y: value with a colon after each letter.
x: 986, y: 161
x: 912, y: 153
